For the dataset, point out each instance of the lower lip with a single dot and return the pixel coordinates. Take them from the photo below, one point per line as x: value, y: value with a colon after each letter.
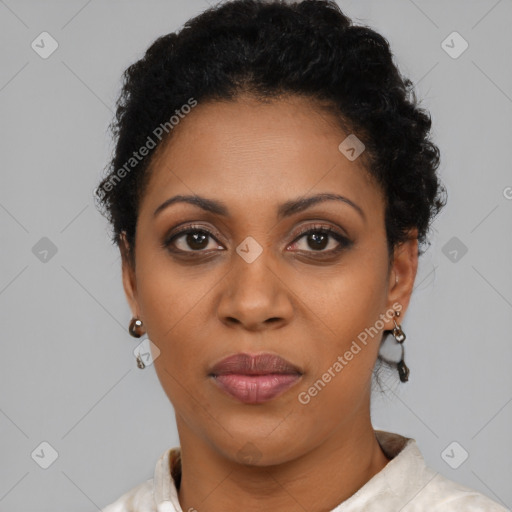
x: 255, y: 389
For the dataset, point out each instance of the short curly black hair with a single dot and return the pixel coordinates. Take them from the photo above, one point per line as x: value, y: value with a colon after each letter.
x: 271, y: 48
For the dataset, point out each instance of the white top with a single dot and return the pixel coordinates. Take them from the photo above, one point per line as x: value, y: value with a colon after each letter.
x: 405, y: 484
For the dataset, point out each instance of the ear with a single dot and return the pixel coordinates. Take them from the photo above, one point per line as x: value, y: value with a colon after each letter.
x: 402, y: 275
x: 128, y: 273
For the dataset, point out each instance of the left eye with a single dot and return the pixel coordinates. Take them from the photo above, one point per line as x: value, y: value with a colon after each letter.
x: 319, y: 239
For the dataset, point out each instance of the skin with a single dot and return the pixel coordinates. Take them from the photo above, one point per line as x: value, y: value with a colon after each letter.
x: 290, y: 301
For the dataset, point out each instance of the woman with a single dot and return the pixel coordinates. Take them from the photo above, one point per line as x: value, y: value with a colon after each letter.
x: 271, y: 190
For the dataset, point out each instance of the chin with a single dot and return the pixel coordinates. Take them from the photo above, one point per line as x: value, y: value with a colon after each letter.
x: 259, y: 448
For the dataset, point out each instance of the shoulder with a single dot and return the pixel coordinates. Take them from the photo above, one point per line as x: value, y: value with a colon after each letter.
x: 136, y: 499
x: 155, y: 494
x: 408, y: 484
x: 444, y: 495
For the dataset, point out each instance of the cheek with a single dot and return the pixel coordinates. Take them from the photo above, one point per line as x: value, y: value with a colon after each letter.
x: 346, y: 309
x: 173, y: 304
x: 350, y: 299
x: 164, y: 305
x: 169, y: 297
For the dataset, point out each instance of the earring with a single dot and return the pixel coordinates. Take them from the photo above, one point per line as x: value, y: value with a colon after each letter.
x: 399, y: 335
x: 135, y: 330
x: 140, y: 362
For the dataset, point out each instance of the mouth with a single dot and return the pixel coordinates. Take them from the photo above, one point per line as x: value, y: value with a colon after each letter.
x: 255, y: 379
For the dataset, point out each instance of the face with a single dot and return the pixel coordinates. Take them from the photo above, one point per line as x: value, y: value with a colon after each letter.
x: 261, y: 274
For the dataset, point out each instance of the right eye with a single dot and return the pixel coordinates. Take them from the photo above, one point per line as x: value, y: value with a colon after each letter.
x: 192, y: 239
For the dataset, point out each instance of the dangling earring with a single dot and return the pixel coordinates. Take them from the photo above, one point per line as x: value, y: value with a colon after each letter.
x: 135, y: 330
x: 140, y: 362
x: 399, y: 335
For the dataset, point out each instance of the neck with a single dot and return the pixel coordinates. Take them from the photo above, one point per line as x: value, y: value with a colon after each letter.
x: 320, y: 479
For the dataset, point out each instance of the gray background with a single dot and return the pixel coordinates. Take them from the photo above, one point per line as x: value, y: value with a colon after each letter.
x: 68, y: 374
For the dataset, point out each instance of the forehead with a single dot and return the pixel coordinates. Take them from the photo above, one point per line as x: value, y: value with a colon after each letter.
x: 261, y: 152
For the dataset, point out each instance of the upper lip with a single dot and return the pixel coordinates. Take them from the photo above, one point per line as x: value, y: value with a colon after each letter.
x: 260, y: 364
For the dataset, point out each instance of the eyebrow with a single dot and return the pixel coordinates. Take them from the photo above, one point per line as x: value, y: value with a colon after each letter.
x: 284, y: 210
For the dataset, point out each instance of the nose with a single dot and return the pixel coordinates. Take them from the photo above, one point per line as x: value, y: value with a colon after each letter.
x: 255, y: 296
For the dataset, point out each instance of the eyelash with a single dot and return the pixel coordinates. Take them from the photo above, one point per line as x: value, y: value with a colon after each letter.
x: 344, y: 242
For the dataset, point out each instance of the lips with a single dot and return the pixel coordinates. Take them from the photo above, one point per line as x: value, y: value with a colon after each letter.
x: 261, y: 364
x: 255, y: 379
